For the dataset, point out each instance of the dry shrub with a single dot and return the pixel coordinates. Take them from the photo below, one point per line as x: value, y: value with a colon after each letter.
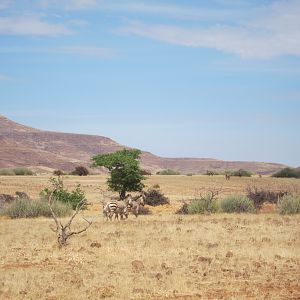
x: 237, y: 204
x: 288, y: 205
x: 183, y: 210
x: 26, y: 208
x: 261, y: 195
x: 155, y: 197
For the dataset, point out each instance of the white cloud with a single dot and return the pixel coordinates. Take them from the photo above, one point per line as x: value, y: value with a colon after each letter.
x: 30, y: 25
x: 273, y: 32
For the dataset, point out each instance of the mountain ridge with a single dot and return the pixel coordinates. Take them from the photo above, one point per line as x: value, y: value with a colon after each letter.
x: 22, y: 145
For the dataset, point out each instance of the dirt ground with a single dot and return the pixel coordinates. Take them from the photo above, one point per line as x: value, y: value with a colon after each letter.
x: 158, y: 256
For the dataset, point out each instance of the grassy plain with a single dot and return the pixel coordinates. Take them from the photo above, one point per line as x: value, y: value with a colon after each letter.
x: 160, y: 256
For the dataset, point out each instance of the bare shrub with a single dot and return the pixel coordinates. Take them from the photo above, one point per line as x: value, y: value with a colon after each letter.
x: 260, y: 195
x: 155, y: 197
x: 64, y: 232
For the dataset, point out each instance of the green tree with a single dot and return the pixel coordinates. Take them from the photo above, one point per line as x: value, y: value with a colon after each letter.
x: 125, y: 172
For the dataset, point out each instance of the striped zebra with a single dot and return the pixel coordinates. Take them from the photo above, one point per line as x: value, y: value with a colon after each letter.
x: 117, y: 207
x: 136, y: 203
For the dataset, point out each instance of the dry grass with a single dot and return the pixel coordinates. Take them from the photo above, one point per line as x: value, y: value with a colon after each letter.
x: 162, y: 256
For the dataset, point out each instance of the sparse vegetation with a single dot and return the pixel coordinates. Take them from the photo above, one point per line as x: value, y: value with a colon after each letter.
x: 154, y: 197
x: 287, y: 173
x: 16, y: 171
x: 22, y: 171
x: 61, y: 194
x: 26, y: 208
x: 7, y: 172
x: 234, y: 255
x: 168, y: 172
x: 80, y: 171
x: 204, y: 204
x: 288, y: 205
x: 237, y: 204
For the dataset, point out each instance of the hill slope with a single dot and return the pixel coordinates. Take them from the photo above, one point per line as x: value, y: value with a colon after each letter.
x: 25, y: 146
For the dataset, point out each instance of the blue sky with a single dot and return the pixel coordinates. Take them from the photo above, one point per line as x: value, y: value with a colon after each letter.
x: 216, y: 78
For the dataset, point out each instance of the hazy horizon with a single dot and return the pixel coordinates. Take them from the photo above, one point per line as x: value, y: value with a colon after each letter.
x: 217, y: 79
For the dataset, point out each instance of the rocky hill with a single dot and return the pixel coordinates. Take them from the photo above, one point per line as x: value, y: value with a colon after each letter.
x: 25, y: 146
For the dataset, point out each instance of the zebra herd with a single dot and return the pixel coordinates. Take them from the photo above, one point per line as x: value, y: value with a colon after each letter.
x: 122, y: 207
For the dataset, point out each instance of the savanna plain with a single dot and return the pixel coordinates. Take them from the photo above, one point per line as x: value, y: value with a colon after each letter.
x: 157, y: 256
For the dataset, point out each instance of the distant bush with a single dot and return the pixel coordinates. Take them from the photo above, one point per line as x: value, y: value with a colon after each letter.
x: 261, y: 195
x: 190, y: 174
x: 62, y: 195
x: 237, y: 204
x: 203, y: 204
x: 7, y: 172
x: 241, y: 173
x: 287, y: 173
x: 80, y: 171
x: 58, y: 173
x: 288, y: 205
x: 145, y: 172
x: 22, y: 171
x: 25, y: 208
x: 155, y: 197
x: 168, y: 172
x: 211, y: 173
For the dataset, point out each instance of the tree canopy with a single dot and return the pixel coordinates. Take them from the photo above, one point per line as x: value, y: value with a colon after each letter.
x: 125, y: 172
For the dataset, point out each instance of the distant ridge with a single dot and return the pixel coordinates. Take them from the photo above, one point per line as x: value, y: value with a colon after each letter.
x: 21, y: 145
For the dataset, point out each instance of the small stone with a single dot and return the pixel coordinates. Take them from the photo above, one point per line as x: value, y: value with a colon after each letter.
x: 229, y: 254
x: 95, y: 245
x: 137, y: 265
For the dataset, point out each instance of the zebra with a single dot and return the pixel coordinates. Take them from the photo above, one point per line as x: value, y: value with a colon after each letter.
x: 117, y: 207
x: 135, y: 205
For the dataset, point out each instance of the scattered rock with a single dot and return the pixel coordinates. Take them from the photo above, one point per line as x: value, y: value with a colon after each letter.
x: 164, y: 266
x: 50, y: 289
x: 212, y: 245
x: 204, y: 259
x: 105, y: 292
x: 137, y: 265
x: 95, y: 245
x: 169, y: 272
x: 158, y: 276
x: 229, y: 254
